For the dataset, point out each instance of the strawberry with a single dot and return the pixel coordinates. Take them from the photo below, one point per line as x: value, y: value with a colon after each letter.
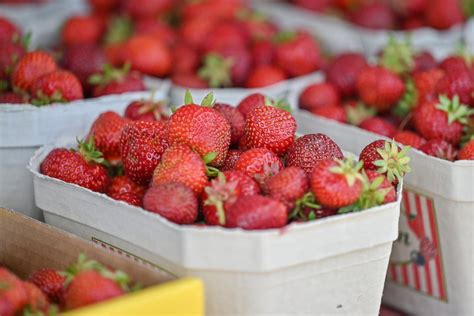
x: 336, y: 183
x: 391, y: 194
x: 467, y: 151
x: 457, y: 83
x: 288, y: 186
x: 269, y: 127
x: 408, y: 8
x: 181, y: 164
x: 50, y: 282
x: 426, y: 83
x: 146, y: 110
x: 128, y: 197
x: 454, y: 64
x: 262, y: 53
x: 106, y: 131
x: 10, y: 54
x: 356, y: 111
x: 377, y: 190
x: 443, y: 119
x: 103, y: 6
x: 387, y: 159
x: 312, y: 5
x: 397, y: 56
x: 235, y: 119
x: 189, y: 80
x: 308, y: 150
x: 439, y: 148
x: 13, y: 295
x: 116, y: 81
x: 81, y: 167
x: 264, y: 75
x: 194, y: 31
x: 8, y: 30
x: 442, y: 14
x: 12, y: 97
x: 378, y: 126
x: 379, y: 88
x: 216, y: 70
x: 142, y: 145
x: 148, y: 55
x: 157, y: 29
x: 256, y: 26
x: 32, y: 66
x: 256, y: 212
x: 343, y: 71
x: 57, y: 86
x: 231, y: 159
x: 123, y: 184
x: 37, y: 300
x: 141, y: 9
x: 408, y: 138
x: 185, y: 59
x: 229, y: 34
x: 423, y: 61
x: 319, y: 95
x: 250, y: 102
x: 85, y: 29
x: 259, y: 163
x: 202, y: 128
x: 376, y: 15
x: 333, y: 112
x: 223, y: 191
x: 317, y: 213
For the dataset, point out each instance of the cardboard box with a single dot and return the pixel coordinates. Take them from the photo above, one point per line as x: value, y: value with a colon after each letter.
x: 432, y: 266
x: 335, y: 265
x: 27, y: 245
x: 25, y: 128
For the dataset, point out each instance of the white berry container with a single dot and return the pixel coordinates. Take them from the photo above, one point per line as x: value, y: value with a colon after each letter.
x: 336, y: 265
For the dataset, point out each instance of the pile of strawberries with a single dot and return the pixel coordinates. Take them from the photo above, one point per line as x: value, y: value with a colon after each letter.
x: 406, y: 96
x: 395, y: 14
x: 48, y: 291
x: 231, y: 166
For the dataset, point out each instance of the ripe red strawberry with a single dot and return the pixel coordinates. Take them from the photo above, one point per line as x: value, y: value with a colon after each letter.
x: 343, y: 71
x: 308, y: 150
x: 148, y: 55
x: 376, y: 15
x: 223, y: 191
x: 259, y: 163
x: 297, y: 53
x: 379, y: 88
x: 229, y: 34
x: 334, y: 112
x: 57, y: 86
x: 194, y: 32
x: 228, y: 66
x: 387, y: 159
x: 442, y: 14
x: 13, y: 295
x: 185, y: 58
x: 408, y: 8
x: 127, y: 197
x: 439, y: 148
x: 235, y: 119
x: 443, y: 119
x: 251, y: 102
x: 379, y: 126
x: 12, y: 97
x: 317, y: 213
x: 319, y: 95
x: 8, y: 30
x: 189, y: 80
x: 82, y: 30
x: 262, y: 53
x: 426, y: 83
x: 181, y: 164
x: 256, y: 26
x: 146, y: 110
x: 336, y: 183
x: 256, y: 212
x: 424, y: 61
x: 50, y: 282
x: 387, y: 190
x: 32, y: 66
x: 467, y: 151
x: 116, y: 81
x: 142, y: 145
x: 10, y: 54
x: 202, y: 128
x: 174, y: 201
x: 103, y: 6
x: 288, y: 186
x: 84, y: 60
x: 269, y: 127
x: 37, y: 300
x: 317, y: 6
x: 454, y: 64
x: 123, y: 184
x: 409, y: 139
x: 162, y: 32
x: 141, y: 9
x: 81, y: 167
x: 264, y: 75
x: 459, y: 84
x: 231, y: 159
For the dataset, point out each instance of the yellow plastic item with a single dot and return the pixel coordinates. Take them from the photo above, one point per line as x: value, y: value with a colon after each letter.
x: 182, y: 297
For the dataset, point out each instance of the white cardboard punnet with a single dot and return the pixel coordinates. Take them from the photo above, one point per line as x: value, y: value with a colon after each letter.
x: 431, y: 270
x: 335, y: 265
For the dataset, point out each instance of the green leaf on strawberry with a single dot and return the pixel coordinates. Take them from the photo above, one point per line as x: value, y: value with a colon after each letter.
x: 456, y: 111
x: 397, y: 56
x: 394, y: 162
x: 216, y: 70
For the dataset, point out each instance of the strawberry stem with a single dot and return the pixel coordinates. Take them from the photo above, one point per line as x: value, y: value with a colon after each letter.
x: 349, y: 169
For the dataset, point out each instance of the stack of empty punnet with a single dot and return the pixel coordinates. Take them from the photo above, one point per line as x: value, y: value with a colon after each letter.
x: 430, y: 270
x: 230, y: 195
x: 41, y: 102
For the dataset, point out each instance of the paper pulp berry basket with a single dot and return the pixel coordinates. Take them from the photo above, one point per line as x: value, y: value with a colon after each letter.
x: 24, y: 128
x: 432, y: 264
x: 335, y: 265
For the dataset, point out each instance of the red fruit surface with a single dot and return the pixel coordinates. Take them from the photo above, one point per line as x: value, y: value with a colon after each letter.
x: 12, y: 97
x: 123, y: 184
x: 103, y: 6
x: 319, y: 95
x: 459, y: 83
x: 369, y: 154
x: 259, y: 163
x: 424, y: 61
x: 172, y: 200
x: 8, y: 30
x: 185, y: 59
x: 128, y: 83
x: 13, y: 295
x: 162, y: 32
x: 265, y: 75
x: 148, y: 55
x: 409, y: 139
x: 426, y: 83
x: 146, y: 110
x: 84, y: 60
x: 313, y: 5
x: 50, y: 282
x: 32, y: 66
x: 189, y: 80
x: 262, y: 53
x: 334, y: 112
x: 379, y: 126
x: 376, y: 15
x: 343, y: 71
x: 37, y: 300
x: 140, y: 9
x: 288, y: 186
x: 235, y: 119
x: 256, y: 212
x: 231, y: 159
x: 82, y: 30
x: 391, y: 195
x: 454, y: 64
x: 194, y: 32
x: 56, y: 86
x: 241, y: 63
x: 443, y: 14
x: 251, y: 102
x: 467, y: 151
x: 10, y: 54
x: 308, y: 150
x: 439, y: 148
x: 127, y: 197
x: 223, y: 35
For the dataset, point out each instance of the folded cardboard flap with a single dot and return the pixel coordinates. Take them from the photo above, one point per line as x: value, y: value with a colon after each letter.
x: 27, y: 245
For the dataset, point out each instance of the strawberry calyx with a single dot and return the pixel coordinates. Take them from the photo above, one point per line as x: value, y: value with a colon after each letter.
x: 284, y: 37
x: 467, y: 7
x: 82, y: 264
x: 357, y: 114
x: 219, y: 192
x: 157, y: 107
x: 110, y: 74
x: 307, y: 201
x: 408, y: 100
x: 210, y: 171
x: 372, y: 195
x: 468, y: 133
x: 43, y: 99
x: 246, y: 14
x: 349, y: 169
x: 394, y: 162
x: 397, y: 56
x: 120, y: 29
x: 216, y: 70
x: 207, y: 101
x: 456, y: 111
x: 89, y: 152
